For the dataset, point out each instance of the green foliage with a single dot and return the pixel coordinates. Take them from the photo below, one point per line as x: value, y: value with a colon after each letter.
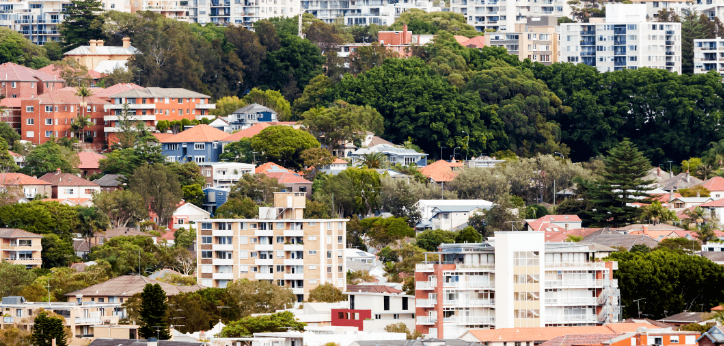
x: 277, y: 322
x: 468, y: 235
x: 121, y: 206
x: 184, y: 238
x: 178, y: 280
x: 226, y: 105
x: 317, y: 210
x: 82, y: 23
x: 679, y: 245
x: 535, y: 211
x: 258, y: 187
x: 48, y: 157
x: 649, y: 276
x: 359, y: 276
x: 573, y: 238
x: 313, y: 95
x: 7, y: 163
x: 160, y: 189
x: 342, y: 123
x: 7, y: 133
x: 383, y: 231
x: 57, y: 252
x: 421, y: 22
x: 13, y: 277
x: 188, y: 173
x: 292, y: 66
x: 239, y: 151
x: 238, y: 208
x: 354, y: 190
x: 694, y: 191
x: 317, y: 158
x: 15, y: 48
x: 261, y: 296
x: 429, y: 240
x: 388, y: 255
x: 402, y: 328
x: 655, y: 212
x: 123, y: 252
x: 41, y: 218
x: 283, y: 145
x: 326, y: 293
x: 642, y: 248
x: 49, y: 330
x: 271, y: 99
x: 193, y: 194
x: 154, y: 322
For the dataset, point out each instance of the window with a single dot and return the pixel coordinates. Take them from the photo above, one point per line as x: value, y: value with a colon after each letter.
x: 29, y: 109
x: 90, y: 192
x: 244, y: 240
x: 311, y: 237
x: 48, y: 109
x: 200, y: 159
x: 674, y: 339
x: 207, y: 254
x: 387, y: 303
x: 329, y: 239
x: 339, y: 269
x: 48, y: 134
x: 14, y: 85
x: 253, y: 240
x: 30, y: 122
x: 280, y: 239
x: 172, y: 146
x: 244, y: 254
x: 340, y: 253
x: 404, y: 303
x: 206, y: 240
x: 312, y: 252
x: 29, y: 134
x: 329, y: 269
x: 199, y: 146
x: 312, y: 267
x: 329, y: 254
x: 340, y: 239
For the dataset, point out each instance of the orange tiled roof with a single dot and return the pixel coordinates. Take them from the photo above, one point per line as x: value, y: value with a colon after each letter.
x: 339, y: 161
x: 89, y: 160
x: 287, y: 178
x: 714, y: 184
x: 53, y: 71
x: 548, y: 333
x: 115, y: 89
x: 717, y: 203
x: 580, y: 339
x: 20, y: 179
x: 66, y: 179
x: 247, y: 132
x: 477, y: 42
x: 557, y: 237
x: 372, y: 289
x: 67, y: 97
x: 630, y: 327
x: 440, y: 170
x: 10, y: 102
x: 666, y: 197
x: 548, y: 219
x: 270, y: 167
x: 199, y: 134
x: 162, y: 136
x: 461, y: 39
x: 14, y: 154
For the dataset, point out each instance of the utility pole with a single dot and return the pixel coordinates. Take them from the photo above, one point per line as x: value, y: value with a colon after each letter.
x: 638, y: 309
x: 441, y: 148
x: 467, y: 145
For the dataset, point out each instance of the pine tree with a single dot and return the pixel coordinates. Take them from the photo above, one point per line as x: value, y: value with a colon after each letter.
x: 46, y: 328
x: 154, y: 322
x: 622, y: 184
x: 7, y: 163
x: 82, y: 23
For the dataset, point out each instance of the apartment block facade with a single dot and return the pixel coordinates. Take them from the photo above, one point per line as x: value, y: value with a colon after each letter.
x: 36, y: 20
x: 624, y: 40
x: 536, y: 40
x: 20, y: 247
x: 239, y: 12
x: 503, y: 15
x: 279, y: 246
x: 709, y: 55
x: 515, y: 279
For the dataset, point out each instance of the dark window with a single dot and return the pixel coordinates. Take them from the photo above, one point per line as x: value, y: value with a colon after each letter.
x: 404, y: 303
x: 387, y: 303
x: 351, y: 302
x: 340, y: 315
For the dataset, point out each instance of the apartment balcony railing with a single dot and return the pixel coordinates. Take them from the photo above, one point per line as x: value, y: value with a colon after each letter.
x: 426, y: 319
x: 670, y: 53
x: 87, y: 320
x: 570, y: 318
x: 574, y: 283
x: 425, y: 303
x: 619, y: 31
x: 576, y: 265
x: 588, y: 32
x: 424, y: 267
x: 469, y: 319
x: 490, y: 266
x: 425, y: 285
x: 669, y: 43
x: 571, y: 301
x: 22, y: 259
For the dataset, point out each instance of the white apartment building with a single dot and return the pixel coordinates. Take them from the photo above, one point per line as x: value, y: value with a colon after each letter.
x: 363, y: 12
x: 239, y: 12
x: 515, y: 279
x: 503, y: 15
x: 624, y: 40
x: 709, y: 55
x: 37, y: 20
x: 224, y: 174
x: 280, y: 246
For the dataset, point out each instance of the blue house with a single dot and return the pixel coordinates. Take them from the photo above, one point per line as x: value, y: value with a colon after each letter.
x: 214, y: 197
x: 198, y: 144
x: 250, y: 115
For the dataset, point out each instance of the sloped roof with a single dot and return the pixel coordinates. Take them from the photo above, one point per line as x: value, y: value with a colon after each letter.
x: 630, y: 327
x: 108, y: 66
x: 372, y: 289
x: 561, y: 235
x: 713, y: 204
x: 714, y: 256
x: 271, y: 167
x: 679, y: 181
x: 376, y: 140
x: 128, y: 285
x: 109, y: 180
x: 54, y: 71
x: 612, y: 238
x: 20, y: 179
x: 536, y: 225
x: 17, y: 233
x: 579, y: 339
x: 10, y: 102
x: 714, y: 184
x: 477, y: 42
x: 247, y: 132
x: 55, y: 97
x: 89, y: 160
x: 440, y: 170
x: 17, y: 73
x: 103, y: 50
x: 133, y: 342
x: 461, y: 39
x: 115, y: 89
x: 287, y: 178
x: 650, y: 227
x: 687, y: 317
x: 534, y: 333
x: 198, y: 134
x: 66, y: 179
x: 253, y: 108
x: 155, y: 92
x: 162, y: 136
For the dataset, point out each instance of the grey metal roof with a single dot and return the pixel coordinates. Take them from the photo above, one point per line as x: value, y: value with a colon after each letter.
x: 109, y: 180
x: 253, y: 108
x: 612, y: 238
x: 687, y: 317
x: 714, y: 256
x: 155, y: 92
x: 103, y: 50
x: 680, y: 181
x: 453, y: 208
x: 132, y: 342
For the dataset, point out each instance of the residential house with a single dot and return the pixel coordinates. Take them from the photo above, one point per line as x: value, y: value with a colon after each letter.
x: 483, y: 161
x: 716, y: 257
x: 657, y: 175
x: 684, y: 318
x: 89, y: 163
x: 612, y: 238
x: 221, y: 124
x: 51, y: 115
x: 99, y: 238
x: 372, y: 311
x: 119, y: 289
x: 394, y: 155
x: 360, y: 256
x: 715, y: 185
x: 215, y: 197
x: 419, y: 342
x: 249, y: 115
x: 426, y: 207
x: 441, y: 171
x: 279, y: 245
x: 198, y: 144
x: 564, y: 221
x: 66, y: 185
x: 449, y: 217
x: 186, y: 213
x: 543, y: 335
x: 713, y: 336
x: 81, y: 248
x: 461, y: 287
x: 679, y: 181
x: 290, y: 179
x: 19, y: 159
x: 681, y: 203
x: 31, y: 187
x: 96, y: 52
x: 224, y: 174
x: 335, y: 167
x: 92, y: 76
x: 317, y: 314
x: 20, y: 247
x: 79, y: 318
x: 110, y: 182
x: 642, y: 336
x: 18, y: 82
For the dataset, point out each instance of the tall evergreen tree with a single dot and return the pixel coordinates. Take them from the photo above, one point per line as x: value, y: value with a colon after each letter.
x: 153, y: 313
x: 82, y: 23
x: 47, y: 328
x: 7, y: 163
x: 622, y: 184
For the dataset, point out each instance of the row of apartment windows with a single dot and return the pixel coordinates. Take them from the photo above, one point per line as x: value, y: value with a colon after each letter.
x: 243, y: 254
x: 48, y: 121
x: 166, y: 100
x: 48, y: 134
x: 267, y: 225
x: 244, y: 269
x: 49, y: 109
x: 266, y: 240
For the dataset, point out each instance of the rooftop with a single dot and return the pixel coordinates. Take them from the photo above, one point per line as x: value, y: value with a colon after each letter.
x: 155, y: 92
x: 613, y: 238
x: 253, y: 108
x: 67, y: 97
x: 115, y: 89
x: 440, y: 170
x: 89, y: 160
x: 109, y: 180
x: 20, y: 179
x: 17, y: 233
x: 579, y: 339
x: 687, y: 317
x: 103, y: 50
x: 372, y: 289
x: 66, y: 179
x: 53, y: 70
x: 128, y: 285
x: 13, y: 72
x: 247, y: 132
x: 198, y: 134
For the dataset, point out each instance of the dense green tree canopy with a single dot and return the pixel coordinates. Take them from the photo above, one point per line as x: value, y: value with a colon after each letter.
x: 283, y: 145
x: 15, y: 48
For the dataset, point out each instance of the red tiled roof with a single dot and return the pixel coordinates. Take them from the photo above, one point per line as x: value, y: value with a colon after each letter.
x: 548, y: 333
x: 461, y: 39
x: 537, y: 224
x: 339, y: 161
x: 270, y: 166
x: 67, y: 97
x: 373, y: 289
x: 557, y: 237
x: 477, y: 42
x: 579, y: 339
x: 14, y: 154
x: 55, y: 72
x: 287, y: 178
x: 66, y: 179
x: 440, y: 170
x: 10, y: 102
x: 197, y: 134
x: 14, y: 72
x: 162, y: 136
x: 666, y: 197
x: 20, y: 179
x: 247, y: 132
x: 89, y: 160
x: 115, y: 89
x: 714, y: 184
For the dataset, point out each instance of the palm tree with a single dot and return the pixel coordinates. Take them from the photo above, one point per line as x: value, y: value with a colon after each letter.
x: 373, y: 160
x: 81, y: 122
x: 91, y: 221
x: 717, y: 151
x: 705, y: 171
x: 656, y: 212
x: 697, y: 215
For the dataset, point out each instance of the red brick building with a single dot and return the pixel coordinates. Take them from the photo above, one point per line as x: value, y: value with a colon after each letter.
x: 19, y: 82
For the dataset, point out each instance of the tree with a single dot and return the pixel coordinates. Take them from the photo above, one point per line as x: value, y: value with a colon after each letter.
x: 317, y: 210
x: 15, y: 48
x: 118, y: 75
x: 250, y: 52
x: 326, y: 293
x: 368, y: 57
x: 374, y: 160
x: 13, y: 277
x: 122, y: 253
x: 90, y: 221
x: 258, y: 187
x: 625, y: 169
x: 49, y: 330
x: 82, y: 23
x: 429, y: 240
x: 7, y: 163
x: 271, y: 99
x: 316, y: 157
x: 694, y: 191
x: 239, y: 208
x: 256, y: 297
x: 283, y: 145
x: 655, y: 212
x: 74, y: 73
x: 679, y: 245
x: 57, y: 252
x: 383, y: 231
x: 8, y: 134
x: 183, y: 238
x: 402, y: 328
x: 642, y: 248
x: 695, y: 215
x: 387, y: 254
x: 422, y: 22
x: 277, y: 322
x: 354, y: 190
x: 227, y: 105
x: 15, y: 336
x: 154, y: 322
x: 314, y: 95
x: 291, y: 67
x: 193, y: 194
x: 573, y: 238
x: 159, y: 188
x: 468, y: 235
x: 48, y: 157
x: 121, y: 206
x: 239, y: 151
x: 342, y: 123
x: 359, y: 276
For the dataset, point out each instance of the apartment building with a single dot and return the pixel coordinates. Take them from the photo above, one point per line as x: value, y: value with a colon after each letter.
x: 365, y: 12
x: 20, y: 247
x: 709, y: 55
x: 198, y: 144
x: 36, y: 20
x: 536, y: 39
x: 51, y: 115
x: 279, y: 246
x: 373, y: 311
x: 503, y: 15
x: 239, y: 12
x: 623, y: 40
x: 173, y: 9
x: 224, y: 174
x: 18, y: 82
x: 513, y: 280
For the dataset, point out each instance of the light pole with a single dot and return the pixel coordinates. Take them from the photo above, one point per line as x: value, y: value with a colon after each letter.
x: 453, y: 157
x: 254, y: 159
x: 441, y: 148
x: 670, y: 172
x: 638, y: 309
x: 467, y: 145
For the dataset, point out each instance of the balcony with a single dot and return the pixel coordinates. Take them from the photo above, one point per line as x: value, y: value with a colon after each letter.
x: 478, y: 302
x: 669, y: 43
x: 293, y: 276
x: 571, y: 301
x: 264, y: 247
x: 206, y: 106
x: 671, y: 63
x: 619, y: 31
x: 259, y: 276
x: 670, y: 32
x: 490, y: 266
x: 670, y: 53
x: 588, y: 32
x: 293, y: 233
x: 475, y: 320
x: 22, y: 259
x: 574, y: 283
x: 293, y: 247
x: 575, y: 265
x: 293, y: 261
x: 264, y: 262
x: 425, y: 285
x: 222, y: 247
x: 571, y: 318
x: 422, y: 267
x: 151, y: 117
x: 87, y: 320
x: 223, y: 276
x: 425, y: 303
x: 132, y: 106
x: 588, y: 42
x: 426, y: 319
x: 478, y: 284
x: 222, y: 262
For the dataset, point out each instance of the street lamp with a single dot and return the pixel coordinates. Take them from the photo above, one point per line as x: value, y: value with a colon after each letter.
x: 453, y: 156
x: 441, y: 148
x: 638, y: 309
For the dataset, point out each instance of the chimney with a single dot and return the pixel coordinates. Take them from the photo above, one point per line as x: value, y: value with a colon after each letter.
x: 93, y: 45
x: 152, y: 343
x: 646, y: 229
x: 687, y: 176
x: 99, y: 43
x: 57, y: 170
x: 126, y: 42
x: 566, y: 227
x: 54, y: 343
x: 404, y: 34
x: 658, y: 171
